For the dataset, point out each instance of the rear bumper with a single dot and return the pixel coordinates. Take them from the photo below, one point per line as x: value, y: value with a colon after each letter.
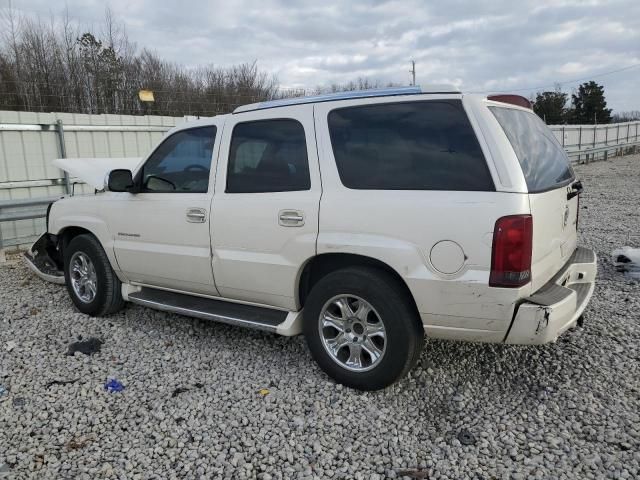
x: 556, y: 307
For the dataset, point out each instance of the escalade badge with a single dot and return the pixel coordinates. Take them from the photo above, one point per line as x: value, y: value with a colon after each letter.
x: 565, y: 219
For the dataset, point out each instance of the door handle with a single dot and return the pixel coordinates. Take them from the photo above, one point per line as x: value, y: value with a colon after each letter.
x: 291, y: 218
x: 196, y: 215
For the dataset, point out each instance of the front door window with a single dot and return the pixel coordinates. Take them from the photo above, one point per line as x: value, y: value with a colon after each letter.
x: 181, y: 163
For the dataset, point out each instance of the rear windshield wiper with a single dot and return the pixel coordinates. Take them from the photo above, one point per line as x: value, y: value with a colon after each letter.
x: 576, y: 189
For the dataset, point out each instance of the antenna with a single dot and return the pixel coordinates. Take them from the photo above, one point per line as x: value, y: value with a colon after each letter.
x: 413, y: 72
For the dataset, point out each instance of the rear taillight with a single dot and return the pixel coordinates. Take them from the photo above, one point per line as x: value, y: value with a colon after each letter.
x: 511, y: 251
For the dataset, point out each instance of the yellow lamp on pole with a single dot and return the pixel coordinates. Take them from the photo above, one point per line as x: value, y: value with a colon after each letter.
x: 146, y: 96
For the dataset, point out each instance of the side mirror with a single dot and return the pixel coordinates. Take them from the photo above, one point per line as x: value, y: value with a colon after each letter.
x: 120, y: 180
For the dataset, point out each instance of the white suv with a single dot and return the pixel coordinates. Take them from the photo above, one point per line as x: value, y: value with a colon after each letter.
x: 363, y: 220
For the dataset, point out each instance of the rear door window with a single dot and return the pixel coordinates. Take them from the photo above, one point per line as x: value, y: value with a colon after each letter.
x: 426, y: 145
x: 268, y: 156
x: 544, y: 163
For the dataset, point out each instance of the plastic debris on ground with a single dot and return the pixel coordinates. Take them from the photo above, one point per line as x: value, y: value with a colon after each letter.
x: 61, y: 382
x: 465, y: 437
x: 3, y: 391
x: 627, y: 260
x: 112, y: 385
x: 178, y: 391
x: 417, y: 473
x: 80, y: 442
x: 88, y: 347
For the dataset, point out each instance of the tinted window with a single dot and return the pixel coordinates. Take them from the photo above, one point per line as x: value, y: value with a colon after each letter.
x: 544, y: 163
x: 268, y: 156
x: 408, y: 146
x: 181, y: 163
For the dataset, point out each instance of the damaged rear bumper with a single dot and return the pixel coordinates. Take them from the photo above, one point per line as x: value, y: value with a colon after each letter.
x: 556, y: 307
x: 45, y: 260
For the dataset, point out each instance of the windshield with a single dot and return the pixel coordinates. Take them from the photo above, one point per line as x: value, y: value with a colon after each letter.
x: 544, y: 163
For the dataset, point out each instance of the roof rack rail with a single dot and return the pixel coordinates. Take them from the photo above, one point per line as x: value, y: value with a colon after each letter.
x: 328, y: 97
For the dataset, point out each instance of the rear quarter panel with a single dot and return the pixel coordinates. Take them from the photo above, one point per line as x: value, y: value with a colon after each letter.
x: 401, y: 228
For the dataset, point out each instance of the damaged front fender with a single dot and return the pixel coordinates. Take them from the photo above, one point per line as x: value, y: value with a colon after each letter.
x: 44, y: 258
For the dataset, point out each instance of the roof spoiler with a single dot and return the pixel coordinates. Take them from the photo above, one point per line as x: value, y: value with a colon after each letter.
x: 518, y: 100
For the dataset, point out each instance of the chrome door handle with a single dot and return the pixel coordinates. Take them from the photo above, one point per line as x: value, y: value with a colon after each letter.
x: 291, y: 218
x: 196, y: 215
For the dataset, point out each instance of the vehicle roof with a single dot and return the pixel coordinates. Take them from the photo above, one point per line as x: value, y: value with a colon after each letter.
x: 330, y: 97
x: 338, y: 96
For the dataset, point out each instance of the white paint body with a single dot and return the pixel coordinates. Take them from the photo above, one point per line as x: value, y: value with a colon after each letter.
x: 439, y: 242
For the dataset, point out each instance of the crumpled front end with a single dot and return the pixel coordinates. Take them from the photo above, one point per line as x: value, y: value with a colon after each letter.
x: 44, y: 258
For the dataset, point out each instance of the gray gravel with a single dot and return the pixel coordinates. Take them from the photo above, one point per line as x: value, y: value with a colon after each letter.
x: 192, y: 405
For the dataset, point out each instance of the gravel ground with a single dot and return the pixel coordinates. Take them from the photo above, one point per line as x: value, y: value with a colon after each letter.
x: 194, y: 405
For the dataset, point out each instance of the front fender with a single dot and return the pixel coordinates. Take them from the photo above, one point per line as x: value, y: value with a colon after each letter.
x: 77, y: 212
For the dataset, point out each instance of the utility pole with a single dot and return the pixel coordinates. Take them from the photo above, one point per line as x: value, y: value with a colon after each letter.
x: 413, y: 72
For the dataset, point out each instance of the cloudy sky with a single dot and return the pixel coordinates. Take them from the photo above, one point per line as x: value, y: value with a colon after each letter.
x: 476, y: 45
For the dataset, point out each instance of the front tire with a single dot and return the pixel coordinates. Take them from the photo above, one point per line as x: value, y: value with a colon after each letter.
x: 362, y: 328
x: 92, y: 284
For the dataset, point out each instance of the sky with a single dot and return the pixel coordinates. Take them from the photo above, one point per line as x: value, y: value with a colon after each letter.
x: 479, y: 46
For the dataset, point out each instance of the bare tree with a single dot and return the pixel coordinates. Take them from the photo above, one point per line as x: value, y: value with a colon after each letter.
x: 58, y: 67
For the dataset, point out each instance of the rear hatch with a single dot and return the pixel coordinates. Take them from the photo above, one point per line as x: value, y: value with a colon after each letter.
x: 553, y: 191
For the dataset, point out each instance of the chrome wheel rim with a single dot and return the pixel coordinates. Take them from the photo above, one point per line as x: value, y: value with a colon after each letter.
x: 84, y: 280
x: 352, y: 333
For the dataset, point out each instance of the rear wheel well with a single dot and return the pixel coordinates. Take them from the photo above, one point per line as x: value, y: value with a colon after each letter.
x: 321, y: 265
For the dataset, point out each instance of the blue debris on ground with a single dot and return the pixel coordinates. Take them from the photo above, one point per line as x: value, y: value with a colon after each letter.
x: 112, y: 385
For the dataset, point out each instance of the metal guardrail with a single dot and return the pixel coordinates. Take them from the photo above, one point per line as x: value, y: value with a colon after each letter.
x: 45, y: 127
x: 27, y: 214
x: 23, y: 209
x: 589, y: 154
x: 593, y: 136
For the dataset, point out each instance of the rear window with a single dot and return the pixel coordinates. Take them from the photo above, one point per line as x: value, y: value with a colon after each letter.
x: 268, y: 156
x: 543, y: 160
x: 427, y: 145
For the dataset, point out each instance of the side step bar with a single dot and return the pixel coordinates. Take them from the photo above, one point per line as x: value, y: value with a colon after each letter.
x: 261, y: 318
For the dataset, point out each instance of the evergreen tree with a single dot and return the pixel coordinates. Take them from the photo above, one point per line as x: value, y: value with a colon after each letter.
x: 550, y: 106
x: 589, y: 105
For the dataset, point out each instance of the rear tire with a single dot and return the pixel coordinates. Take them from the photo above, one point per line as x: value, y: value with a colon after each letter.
x: 362, y: 328
x: 92, y: 284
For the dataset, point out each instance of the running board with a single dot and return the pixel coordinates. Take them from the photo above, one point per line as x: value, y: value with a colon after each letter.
x: 260, y: 318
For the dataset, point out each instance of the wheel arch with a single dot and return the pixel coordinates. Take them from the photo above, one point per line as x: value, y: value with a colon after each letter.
x: 68, y: 232
x: 321, y: 265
